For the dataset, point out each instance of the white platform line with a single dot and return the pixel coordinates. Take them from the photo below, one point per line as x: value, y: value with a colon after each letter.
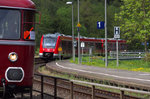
x: 144, y: 74
x: 116, y: 76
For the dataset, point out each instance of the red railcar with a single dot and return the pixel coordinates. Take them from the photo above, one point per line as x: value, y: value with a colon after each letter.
x: 50, y: 43
x: 17, y: 44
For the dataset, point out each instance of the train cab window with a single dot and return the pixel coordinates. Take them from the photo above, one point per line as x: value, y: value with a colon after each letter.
x: 49, y: 42
x: 29, y: 25
x: 10, y: 24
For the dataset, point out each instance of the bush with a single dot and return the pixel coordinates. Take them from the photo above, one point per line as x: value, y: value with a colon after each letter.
x: 147, y: 57
x: 37, y: 51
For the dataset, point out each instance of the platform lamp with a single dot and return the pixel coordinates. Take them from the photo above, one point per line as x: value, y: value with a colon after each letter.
x: 73, y: 41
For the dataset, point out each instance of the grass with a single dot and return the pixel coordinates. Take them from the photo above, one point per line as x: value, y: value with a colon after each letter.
x: 131, y: 65
x: 45, y: 71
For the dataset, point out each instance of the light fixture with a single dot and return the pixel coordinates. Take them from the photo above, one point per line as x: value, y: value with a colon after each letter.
x: 68, y: 2
x: 14, y: 74
x: 12, y: 56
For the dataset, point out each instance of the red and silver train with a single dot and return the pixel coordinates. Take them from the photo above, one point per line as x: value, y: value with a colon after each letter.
x: 50, y: 44
x: 17, y: 41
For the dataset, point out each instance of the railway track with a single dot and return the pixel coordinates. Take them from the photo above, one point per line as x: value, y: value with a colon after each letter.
x: 79, y: 91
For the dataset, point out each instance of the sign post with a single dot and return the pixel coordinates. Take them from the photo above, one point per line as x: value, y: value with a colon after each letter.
x: 59, y: 50
x: 79, y: 56
x: 102, y: 25
x: 78, y: 26
x: 117, y: 36
x: 117, y: 53
x: 90, y: 54
x: 106, y: 56
x: 82, y: 46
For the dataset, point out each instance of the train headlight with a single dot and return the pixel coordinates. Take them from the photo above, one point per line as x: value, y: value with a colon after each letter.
x: 12, y: 56
x: 14, y: 74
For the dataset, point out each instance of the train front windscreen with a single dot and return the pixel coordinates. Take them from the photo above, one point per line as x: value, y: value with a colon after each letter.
x: 49, y: 42
x: 10, y: 24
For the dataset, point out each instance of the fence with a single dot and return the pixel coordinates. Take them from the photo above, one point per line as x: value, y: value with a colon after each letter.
x: 122, y: 90
x: 42, y: 85
x: 128, y: 55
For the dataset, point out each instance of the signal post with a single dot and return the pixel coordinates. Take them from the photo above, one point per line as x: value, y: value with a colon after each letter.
x: 117, y: 36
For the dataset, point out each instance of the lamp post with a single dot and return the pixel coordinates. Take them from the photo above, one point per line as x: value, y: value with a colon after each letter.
x: 106, y: 57
x: 79, y: 57
x: 73, y: 48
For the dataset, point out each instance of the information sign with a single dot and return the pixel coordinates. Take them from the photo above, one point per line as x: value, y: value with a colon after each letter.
x: 82, y: 44
x: 116, y: 32
x: 75, y: 43
x: 78, y: 25
x: 100, y: 24
x: 59, y: 49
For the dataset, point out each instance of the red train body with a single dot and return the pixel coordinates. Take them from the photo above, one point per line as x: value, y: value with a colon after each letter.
x: 51, y: 42
x: 17, y: 51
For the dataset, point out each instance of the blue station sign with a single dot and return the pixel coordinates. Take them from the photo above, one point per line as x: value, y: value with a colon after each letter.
x: 100, y: 24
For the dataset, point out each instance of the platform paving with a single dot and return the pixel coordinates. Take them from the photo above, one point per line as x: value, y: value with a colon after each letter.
x: 125, y: 76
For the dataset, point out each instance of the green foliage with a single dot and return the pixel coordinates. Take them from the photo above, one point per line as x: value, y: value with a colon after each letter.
x: 37, y: 51
x: 147, y: 57
x: 134, y: 20
x: 56, y: 17
x: 132, y: 65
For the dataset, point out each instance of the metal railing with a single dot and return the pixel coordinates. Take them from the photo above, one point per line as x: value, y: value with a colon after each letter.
x: 128, y: 55
x: 42, y: 85
x: 122, y: 90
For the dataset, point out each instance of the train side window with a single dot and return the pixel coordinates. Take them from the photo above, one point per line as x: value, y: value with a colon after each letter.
x: 113, y: 46
x: 98, y: 45
x: 121, y: 46
x: 29, y: 25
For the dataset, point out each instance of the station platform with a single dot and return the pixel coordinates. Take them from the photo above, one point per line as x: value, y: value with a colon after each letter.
x: 113, y: 75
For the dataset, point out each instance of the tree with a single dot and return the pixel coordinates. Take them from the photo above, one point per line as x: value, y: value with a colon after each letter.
x: 134, y: 18
x: 56, y: 17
